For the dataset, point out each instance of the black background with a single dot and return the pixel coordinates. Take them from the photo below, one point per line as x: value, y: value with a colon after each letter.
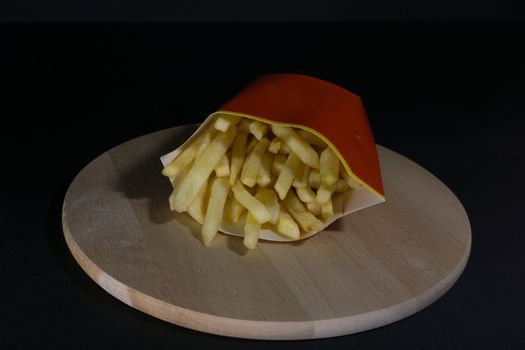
x: 448, y: 95
x: 260, y: 10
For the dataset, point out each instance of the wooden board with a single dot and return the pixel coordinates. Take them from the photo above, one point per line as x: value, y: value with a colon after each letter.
x: 366, y: 270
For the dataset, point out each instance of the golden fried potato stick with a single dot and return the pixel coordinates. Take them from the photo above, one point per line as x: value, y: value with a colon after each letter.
x: 314, y: 208
x: 302, y: 178
x: 329, y: 168
x: 238, y: 153
x: 258, y: 129
x: 324, y: 192
x: 278, y: 164
x: 223, y: 168
x: 253, y: 163
x: 304, y: 151
x: 254, y: 206
x: 287, y: 226
x: 305, y: 194
x: 187, y: 155
x: 223, y: 122
x: 314, y: 179
x: 284, y: 149
x: 233, y: 210
x: 306, y: 220
x: 189, y: 187
x: 269, y: 199
x: 288, y: 173
x: 197, y: 208
x: 327, y: 210
x: 274, y: 146
x: 349, y: 179
x: 251, y: 145
x: 252, y: 229
x: 264, y: 177
x: 215, y: 209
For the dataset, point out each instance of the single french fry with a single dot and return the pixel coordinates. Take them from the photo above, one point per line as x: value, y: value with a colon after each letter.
x: 205, y: 143
x: 274, y: 146
x: 188, y: 155
x: 238, y: 149
x: 284, y: 149
x: 311, y: 138
x: 253, y: 163
x: 223, y: 122
x: 305, y: 194
x: 353, y: 183
x: 197, y: 208
x: 327, y: 210
x: 244, y: 125
x: 314, y: 208
x: 287, y: 226
x: 258, y: 129
x: 288, y: 173
x: 251, y: 232
x: 302, y: 178
x: 329, y: 167
x: 215, y: 209
x: 278, y: 164
x: 188, y: 188
x: 314, y: 179
x: 324, y: 192
x: 254, y: 206
x: 176, y: 180
x: 251, y: 145
x: 306, y: 220
x: 269, y: 199
x: 223, y: 168
x: 233, y: 209
x: 341, y: 186
x: 264, y: 178
x: 304, y: 151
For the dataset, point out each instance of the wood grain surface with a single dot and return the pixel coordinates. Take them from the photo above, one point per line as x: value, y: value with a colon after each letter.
x: 365, y: 270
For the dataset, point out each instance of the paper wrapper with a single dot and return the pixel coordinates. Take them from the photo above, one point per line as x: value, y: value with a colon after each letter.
x: 332, y: 113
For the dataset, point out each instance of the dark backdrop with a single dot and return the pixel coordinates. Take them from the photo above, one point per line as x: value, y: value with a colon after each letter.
x: 260, y: 10
x: 450, y: 96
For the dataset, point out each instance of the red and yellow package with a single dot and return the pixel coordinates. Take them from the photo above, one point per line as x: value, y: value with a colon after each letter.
x: 333, y: 114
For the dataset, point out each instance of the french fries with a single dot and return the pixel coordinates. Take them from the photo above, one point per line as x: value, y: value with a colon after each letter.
x: 303, y: 150
x: 287, y: 226
x: 304, y: 218
x: 264, y: 176
x: 278, y: 164
x: 329, y: 171
x: 187, y: 156
x: 258, y: 129
x: 274, y: 146
x: 291, y: 167
x: 186, y: 190
x: 252, y: 227
x: 238, y: 149
x: 212, y: 220
x: 253, y: 163
x: 270, y: 201
x: 223, y: 168
x: 254, y: 206
x: 224, y: 122
x: 305, y: 194
x: 234, y: 209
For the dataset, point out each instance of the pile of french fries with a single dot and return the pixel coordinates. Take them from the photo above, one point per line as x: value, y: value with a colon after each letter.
x: 260, y: 175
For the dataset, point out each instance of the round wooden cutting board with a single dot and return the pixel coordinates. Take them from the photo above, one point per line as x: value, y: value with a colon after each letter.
x: 368, y: 269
